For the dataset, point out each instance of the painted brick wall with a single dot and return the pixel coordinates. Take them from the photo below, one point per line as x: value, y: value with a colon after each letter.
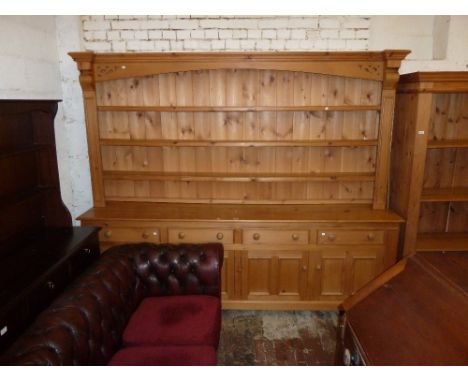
x: 220, y: 33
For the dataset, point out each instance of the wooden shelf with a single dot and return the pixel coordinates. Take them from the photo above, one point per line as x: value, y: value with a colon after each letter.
x: 434, y: 242
x: 448, y: 143
x: 241, y: 108
x: 233, y: 143
x: 250, y: 177
x: 457, y: 194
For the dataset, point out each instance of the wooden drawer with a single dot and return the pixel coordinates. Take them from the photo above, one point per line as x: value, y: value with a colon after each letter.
x: 200, y: 235
x: 275, y: 236
x: 334, y: 237
x: 129, y: 234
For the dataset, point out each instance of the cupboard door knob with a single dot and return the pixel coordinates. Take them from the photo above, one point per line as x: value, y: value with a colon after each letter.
x: 304, y: 268
x: 295, y: 236
x: 108, y: 234
x: 219, y: 236
x: 50, y: 285
x: 181, y: 235
x: 318, y: 267
x: 331, y: 236
x: 256, y: 236
x: 145, y: 235
x: 371, y: 236
x: 87, y: 251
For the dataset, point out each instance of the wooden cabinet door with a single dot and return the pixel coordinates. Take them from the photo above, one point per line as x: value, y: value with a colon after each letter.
x: 364, y: 265
x: 342, y: 272
x: 228, y: 276
x: 274, y: 275
x: 331, y: 266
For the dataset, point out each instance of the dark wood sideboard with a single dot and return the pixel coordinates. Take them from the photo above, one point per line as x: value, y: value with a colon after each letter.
x: 413, y: 314
x: 40, y: 251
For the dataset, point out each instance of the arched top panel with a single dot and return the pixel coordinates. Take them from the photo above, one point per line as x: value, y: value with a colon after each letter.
x: 378, y: 66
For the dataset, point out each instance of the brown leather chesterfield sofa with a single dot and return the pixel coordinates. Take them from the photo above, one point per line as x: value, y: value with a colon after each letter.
x: 139, y: 304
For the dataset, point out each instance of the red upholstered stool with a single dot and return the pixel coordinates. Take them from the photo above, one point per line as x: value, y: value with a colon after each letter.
x: 175, y: 320
x: 165, y: 356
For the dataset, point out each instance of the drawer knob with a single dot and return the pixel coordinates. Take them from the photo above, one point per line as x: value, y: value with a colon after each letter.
x: 331, y: 236
x: 87, y: 251
x: 295, y: 236
x: 181, y: 235
x: 304, y: 268
x: 50, y: 285
x: 145, y: 235
x: 256, y: 236
x: 108, y: 234
x: 371, y: 236
x: 219, y: 236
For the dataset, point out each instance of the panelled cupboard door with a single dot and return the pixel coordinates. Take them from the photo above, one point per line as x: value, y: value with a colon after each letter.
x: 227, y: 276
x: 342, y: 272
x: 274, y: 275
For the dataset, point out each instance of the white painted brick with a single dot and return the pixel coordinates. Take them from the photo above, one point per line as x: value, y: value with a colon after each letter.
x: 97, y: 17
x: 137, y: 45
x: 336, y: 44
x: 141, y: 35
x: 132, y: 17
x: 204, y: 44
x: 101, y: 46
x: 232, y: 44
x: 225, y: 33
x: 88, y: 36
x: 131, y: 24
x: 113, y: 35
x: 218, y: 44
x: 347, y: 34
x: 119, y: 46
x: 96, y: 25
x: 110, y: 17
x: 162, y: 45
x: 154, y: 24
x: 307, y: 44
x: 329, y: 23
x: 191, y: 44
x: 197, y: 34
x: 269, y: 33
x: 183, y: 24
x: 254, y: 33
x: 155, y: 35
x: 169, y: 35
x: 312, y: 34
x: 329, y: 33
x: 298, y: 34
x: 239, y: 33
x: 175, y: 45
x: 292, y: 45
x: 263, y: 45
x: 321, y: 45
x: 277, y: 44
x: 211, y: 33
x: 155, y: 17
x: 307, y: 22
x: 283, y: 33
x: 216, y: 23
x: 182, y: 34
x: 362, y: 33
x: 356, y: 44
x: 242, y: 23
x: 247, y: 44
x: 357, y: 23
x: 100, y: 35
x: 273, y: 23
x: 127, y: 35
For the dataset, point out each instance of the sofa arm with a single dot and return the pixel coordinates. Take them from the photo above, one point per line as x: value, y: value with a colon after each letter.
x: 179, y: 269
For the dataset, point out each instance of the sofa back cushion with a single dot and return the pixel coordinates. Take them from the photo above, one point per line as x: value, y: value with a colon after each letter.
x: 84, y: 325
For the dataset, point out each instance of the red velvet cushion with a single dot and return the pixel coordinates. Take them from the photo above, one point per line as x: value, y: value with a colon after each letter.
x: 175, y: 320
x: 165, y: 356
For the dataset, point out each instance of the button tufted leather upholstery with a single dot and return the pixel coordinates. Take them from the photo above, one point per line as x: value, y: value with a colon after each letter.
x: 84, y: 325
